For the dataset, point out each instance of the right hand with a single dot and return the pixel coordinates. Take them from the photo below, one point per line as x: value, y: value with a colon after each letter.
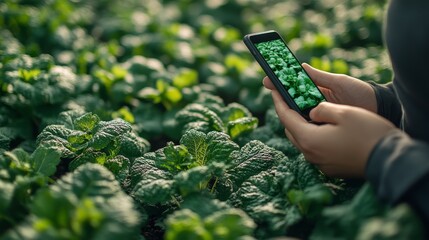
x: 340, y: 88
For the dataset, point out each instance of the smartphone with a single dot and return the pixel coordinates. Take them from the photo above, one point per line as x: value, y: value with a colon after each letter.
x: 285, y: 71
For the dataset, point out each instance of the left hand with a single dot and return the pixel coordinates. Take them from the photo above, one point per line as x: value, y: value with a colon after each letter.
x: 342, y: 146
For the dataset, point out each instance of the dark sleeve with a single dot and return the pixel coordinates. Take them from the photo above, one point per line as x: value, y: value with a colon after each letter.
x: 398, y: 168
x: 388, y: 105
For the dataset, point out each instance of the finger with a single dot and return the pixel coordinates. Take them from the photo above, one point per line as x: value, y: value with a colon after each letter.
x: 326, y: 112
x: 321, y: 78
x: 329, y: 95
x: 267, y: 83
x: 279, y: 102
x: 293, y: 140
x: 290, y: 119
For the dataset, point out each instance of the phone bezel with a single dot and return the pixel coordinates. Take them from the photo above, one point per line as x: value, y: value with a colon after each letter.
x: 250, y: 40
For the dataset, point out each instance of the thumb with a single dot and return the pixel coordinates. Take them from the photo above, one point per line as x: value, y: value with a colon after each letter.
x: 321, y: 78
x: 326, y: 112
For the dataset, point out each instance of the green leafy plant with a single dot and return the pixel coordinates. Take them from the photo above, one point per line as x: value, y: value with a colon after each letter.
x: 367, y: 226
x: 178, y: 75
x: 193, y: 166
x: 87, y: 203
x: 22, y: 175
x: 233, y: 119
x: 170, y: 94
x: 215, y: 220
x: 37, y: 81
x: 83, y: 139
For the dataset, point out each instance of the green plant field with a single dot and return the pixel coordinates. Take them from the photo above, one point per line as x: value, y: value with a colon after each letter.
x: 147, y: 119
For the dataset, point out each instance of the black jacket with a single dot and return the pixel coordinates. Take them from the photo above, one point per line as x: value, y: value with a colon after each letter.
x: 398, y: 166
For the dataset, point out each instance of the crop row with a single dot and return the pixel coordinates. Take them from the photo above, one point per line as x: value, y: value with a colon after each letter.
x: 148, y: 120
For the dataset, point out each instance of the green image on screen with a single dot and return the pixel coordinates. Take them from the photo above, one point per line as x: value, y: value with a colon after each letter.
x: 290, y: 73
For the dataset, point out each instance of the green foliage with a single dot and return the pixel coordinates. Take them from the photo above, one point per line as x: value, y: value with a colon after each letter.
x: 83, y: 139
x: 252, y: 158
x: 271, y: 192
x: 4, y: 142
x: 271, y: 134
x: 197, y: 116
x: 36, y: 81
x: 168, y: 89
x: 213, y: 164
x: 183, y: 169
x: 179, y: 77
x: 222, y: 222
x: 233, y: 119
x: 87, y: 203
x: 18, y: 184
x: 348, y: 214
x: 208, y: 148
x: 400, y: 223
x: 376, y: 222
x: 163, y: 93
x: 45, y: 161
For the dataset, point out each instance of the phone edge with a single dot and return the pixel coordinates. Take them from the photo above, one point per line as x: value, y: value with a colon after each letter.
x: 269, y: 72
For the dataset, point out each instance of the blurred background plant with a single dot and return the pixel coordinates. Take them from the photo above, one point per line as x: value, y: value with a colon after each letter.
x: 69, y: 69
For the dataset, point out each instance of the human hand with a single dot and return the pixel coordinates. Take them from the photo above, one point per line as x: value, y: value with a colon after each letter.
x: 340, y: 88
x: 342, y: 146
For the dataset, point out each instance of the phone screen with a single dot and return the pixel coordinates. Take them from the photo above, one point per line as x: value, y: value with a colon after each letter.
x: 292, y: 76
